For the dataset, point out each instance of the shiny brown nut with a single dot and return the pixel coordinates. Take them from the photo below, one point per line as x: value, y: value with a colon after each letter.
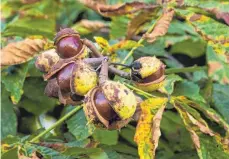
x: 68, y: 43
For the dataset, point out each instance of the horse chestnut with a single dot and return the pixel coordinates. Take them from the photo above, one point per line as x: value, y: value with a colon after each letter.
x: 148, y: 73
x: 46, y: 60
x: 111, y: 104
x: 68, y: 44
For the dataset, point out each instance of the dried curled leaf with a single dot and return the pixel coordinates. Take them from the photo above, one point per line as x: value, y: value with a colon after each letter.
x: 20, y: 52
x: 88, y: 26
x: 161, y: 26
x: 148, y: 129
x: 138, y: 21
x: 116, y: 10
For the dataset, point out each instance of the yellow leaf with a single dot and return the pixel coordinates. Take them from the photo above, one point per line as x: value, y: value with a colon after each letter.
x: 148, y: 128
x: 20, y: 52
x: 125, y: 44
x: 103, y: 43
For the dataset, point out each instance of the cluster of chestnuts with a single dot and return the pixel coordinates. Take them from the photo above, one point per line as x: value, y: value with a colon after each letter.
x: 71, y: 70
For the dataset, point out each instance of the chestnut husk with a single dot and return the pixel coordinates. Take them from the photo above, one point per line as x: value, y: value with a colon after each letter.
x: 149, y: 76
x: 46, y: 60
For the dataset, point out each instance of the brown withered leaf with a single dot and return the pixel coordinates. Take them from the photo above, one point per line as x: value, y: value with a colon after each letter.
x: 138, y: 21
x: 118, y: 9
x: 20, y: 52
x: 219, y: 14
x: 161, y: 26
x: 177, y: 2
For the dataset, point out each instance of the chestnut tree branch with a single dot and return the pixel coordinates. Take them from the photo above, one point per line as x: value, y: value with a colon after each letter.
x: 96, y: 53
x: 103, y: 75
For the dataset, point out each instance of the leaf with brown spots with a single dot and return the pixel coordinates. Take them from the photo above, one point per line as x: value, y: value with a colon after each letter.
x: 161, y: 26
x: 219, y: 8
x: 118, y: 9
x: 208, y: 28
x: 20, y: 52
x: 218, y: 68
x: 207, y: 142
x: 148, y: 129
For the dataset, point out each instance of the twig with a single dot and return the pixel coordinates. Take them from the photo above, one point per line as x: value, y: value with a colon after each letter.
x: 96, y: 53
x: 103, y: 75
x: 61, y: 120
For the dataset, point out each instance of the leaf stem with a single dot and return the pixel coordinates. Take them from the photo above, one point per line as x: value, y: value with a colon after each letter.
x: 61, y: 120
x: 139, y: 90
x: 185, y: 69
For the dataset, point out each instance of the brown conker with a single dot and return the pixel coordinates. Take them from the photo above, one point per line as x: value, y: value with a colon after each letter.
x: 68, y: 43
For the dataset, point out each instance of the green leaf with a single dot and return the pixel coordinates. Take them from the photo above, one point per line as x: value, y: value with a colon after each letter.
x: 169, y: 83
x: 156, y: 48
x: 13, y: 78
x: 45, y: 151
x: 112, y: 154
x: 29, y: 26
x: 193, y: 48
x: 79, y: 126
x: 118, y: 27
x: 77, y: 151
x: 121, y: 54
x: 218, y: 67
x: 35, y: 101
x: 121, y: 147
x: 106, y: 137
x: 128, y: 134
x: 175, y: 133
x: 180, y: 28
x: 199, y: 76
x: 221, y: 100
x: 188, y: 89
x: 99, y: 155
x: 8, y: 117
x: 11, y: 154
